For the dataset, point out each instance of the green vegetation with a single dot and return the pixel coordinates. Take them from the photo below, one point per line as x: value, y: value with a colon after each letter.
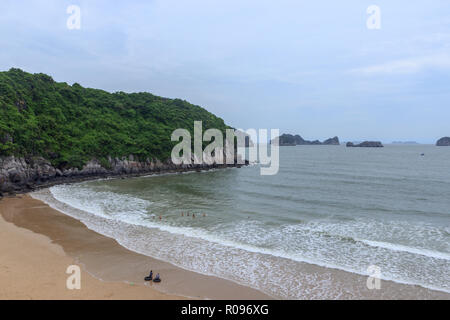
x: 69, y: 125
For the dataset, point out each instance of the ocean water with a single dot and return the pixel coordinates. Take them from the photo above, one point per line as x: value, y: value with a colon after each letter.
x: 332, y: 206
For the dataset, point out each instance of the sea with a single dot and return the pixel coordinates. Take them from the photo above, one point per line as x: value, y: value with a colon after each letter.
x: 335, y: 207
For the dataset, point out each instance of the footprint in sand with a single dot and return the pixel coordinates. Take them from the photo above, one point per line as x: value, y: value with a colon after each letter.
x: 4, y: 269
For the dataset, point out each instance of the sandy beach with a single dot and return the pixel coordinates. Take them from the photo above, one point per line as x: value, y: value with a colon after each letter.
x: 38, y: 244
x: 33, y: 267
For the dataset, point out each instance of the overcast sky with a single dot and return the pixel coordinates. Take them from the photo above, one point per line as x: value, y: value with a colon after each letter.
x: 306, y: 67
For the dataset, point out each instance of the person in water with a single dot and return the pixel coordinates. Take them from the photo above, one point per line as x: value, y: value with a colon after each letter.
x: 193, y: 215
x: 157, y: 278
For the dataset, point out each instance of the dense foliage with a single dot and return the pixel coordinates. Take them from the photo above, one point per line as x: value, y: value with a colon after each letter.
x: 70, y: 125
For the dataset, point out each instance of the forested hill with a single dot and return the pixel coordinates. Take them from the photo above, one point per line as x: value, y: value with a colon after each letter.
x: 69, y: 125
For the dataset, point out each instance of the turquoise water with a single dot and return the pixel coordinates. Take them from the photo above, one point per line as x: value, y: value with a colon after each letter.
x: 344, y: 208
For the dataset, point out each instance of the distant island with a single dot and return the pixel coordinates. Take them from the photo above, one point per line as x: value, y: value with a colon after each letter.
x: 297, y: 140
x: 405, y: 142
x: 443, y: 142
x: 366, y: 144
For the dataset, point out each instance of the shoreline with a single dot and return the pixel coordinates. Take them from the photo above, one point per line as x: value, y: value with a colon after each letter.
x: 105, y: 263
x: 20, y: 176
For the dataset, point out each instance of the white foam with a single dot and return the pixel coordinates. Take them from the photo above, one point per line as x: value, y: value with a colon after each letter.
x: 402, y: 248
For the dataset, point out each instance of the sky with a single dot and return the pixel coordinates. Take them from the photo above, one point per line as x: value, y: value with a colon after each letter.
x: 312, y: 68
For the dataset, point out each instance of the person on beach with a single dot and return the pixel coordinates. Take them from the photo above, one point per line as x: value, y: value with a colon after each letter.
x: 157, y: 278
x: 150, y: 276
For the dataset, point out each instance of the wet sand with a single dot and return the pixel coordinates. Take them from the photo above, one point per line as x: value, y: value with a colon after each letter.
x: 38, y: 243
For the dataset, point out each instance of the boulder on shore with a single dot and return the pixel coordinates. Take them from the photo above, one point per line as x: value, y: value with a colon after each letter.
x: 443, y: 142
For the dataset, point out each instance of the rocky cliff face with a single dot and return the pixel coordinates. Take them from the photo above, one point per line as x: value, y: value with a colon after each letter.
x: 366, y: 144
x: 443, y: 142
x: 21, y: 175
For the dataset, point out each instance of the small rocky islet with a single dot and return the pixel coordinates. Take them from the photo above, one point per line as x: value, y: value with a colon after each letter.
x: 443, y: 142
x: 365, y: 144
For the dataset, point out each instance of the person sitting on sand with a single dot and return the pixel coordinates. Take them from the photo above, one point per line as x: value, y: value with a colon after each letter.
x: 150, y: 276
x: 157, y: 278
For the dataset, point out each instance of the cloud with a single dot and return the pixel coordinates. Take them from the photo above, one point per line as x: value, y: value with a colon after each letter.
x: 407, y: 65
x: 287, y: 63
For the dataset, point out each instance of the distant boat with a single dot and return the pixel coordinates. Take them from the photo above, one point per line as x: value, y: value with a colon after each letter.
x: 422, y: 154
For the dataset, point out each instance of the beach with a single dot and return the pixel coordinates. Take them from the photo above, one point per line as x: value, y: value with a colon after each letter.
x: 314, y: 231
x: 32, y: 267
x: 38, y: 244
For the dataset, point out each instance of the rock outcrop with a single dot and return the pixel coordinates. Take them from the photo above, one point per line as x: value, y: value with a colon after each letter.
x: 297, y: 140
x: 443, y: 142
x: 332, y: 141
x: 366, y: 144
x: 22, y: 175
